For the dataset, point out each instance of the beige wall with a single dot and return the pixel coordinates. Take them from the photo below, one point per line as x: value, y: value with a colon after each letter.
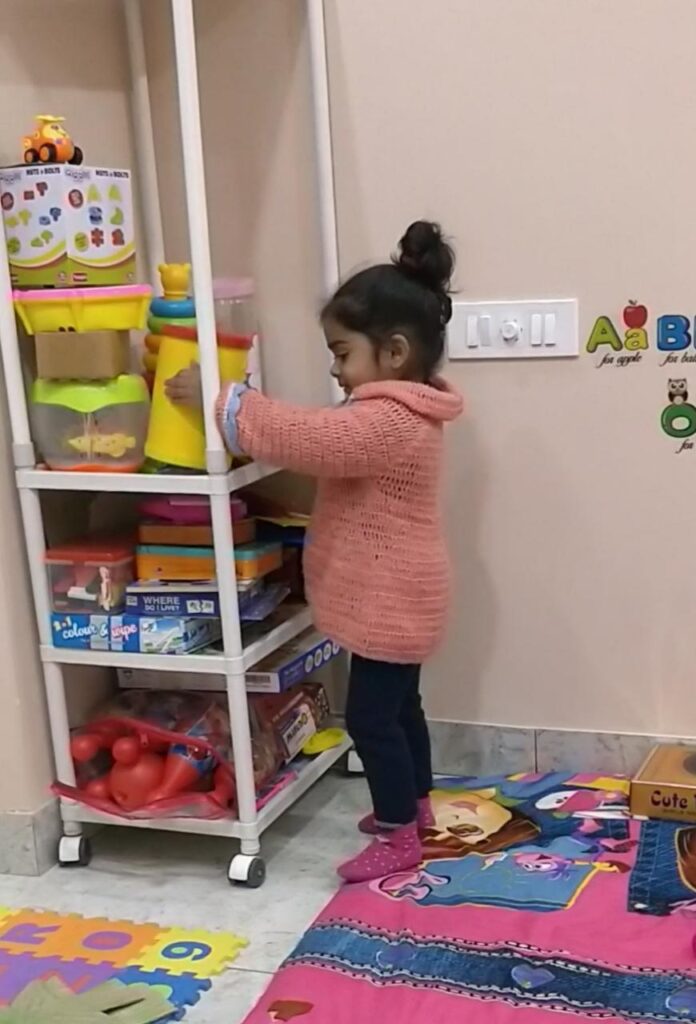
x: 254, y: 86
x: 85, y: 79
x: 555, y: 141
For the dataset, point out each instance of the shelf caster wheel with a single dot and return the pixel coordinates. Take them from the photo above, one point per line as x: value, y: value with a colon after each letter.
x: 354, y: 765
x: 249, y: 871
x: 74, y: 852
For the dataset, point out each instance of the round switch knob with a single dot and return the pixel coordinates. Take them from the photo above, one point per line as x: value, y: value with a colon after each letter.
x: 510, y: 330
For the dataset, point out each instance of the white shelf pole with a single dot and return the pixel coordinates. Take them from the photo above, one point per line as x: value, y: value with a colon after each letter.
x: 141, y: 114
x: 232, y: 639
x: 216, y: 458
x: 323, y: 148
x: 32, y: 520
x: 22, y: 448
x: 323, y: 155
x: 197, y: 214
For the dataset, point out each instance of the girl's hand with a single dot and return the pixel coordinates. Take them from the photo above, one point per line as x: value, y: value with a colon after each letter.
x: 185, y: 387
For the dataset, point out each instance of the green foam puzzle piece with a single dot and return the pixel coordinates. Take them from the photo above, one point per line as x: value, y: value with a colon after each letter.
x: 51, y: 1002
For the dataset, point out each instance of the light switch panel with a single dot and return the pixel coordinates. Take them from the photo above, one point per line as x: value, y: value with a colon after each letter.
x: 528, y: 329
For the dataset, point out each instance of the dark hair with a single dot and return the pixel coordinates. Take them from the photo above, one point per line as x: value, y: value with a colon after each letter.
x: 409, y: 296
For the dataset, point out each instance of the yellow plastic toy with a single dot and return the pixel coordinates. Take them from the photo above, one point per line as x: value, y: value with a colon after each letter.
x: 174, y: 306
x: 50, y: 143
x: 325, y: 739
x: 176, y: 435
x: 175, y: 280
x: 116, y: 308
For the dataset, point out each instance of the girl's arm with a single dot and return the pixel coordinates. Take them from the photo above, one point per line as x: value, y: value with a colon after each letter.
x: 363, y: 438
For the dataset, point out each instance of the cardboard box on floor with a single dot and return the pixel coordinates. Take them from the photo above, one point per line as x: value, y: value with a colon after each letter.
x: 665, y: 786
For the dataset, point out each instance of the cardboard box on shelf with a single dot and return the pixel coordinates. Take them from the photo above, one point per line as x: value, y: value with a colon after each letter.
x: 665, y: 786
x: 68, y: 225
x: 291, y: 662
x: 293, y: 717
x: 159, y: 597
x: 93, y: 355
x: 275, y: 674
x: 134, y: 634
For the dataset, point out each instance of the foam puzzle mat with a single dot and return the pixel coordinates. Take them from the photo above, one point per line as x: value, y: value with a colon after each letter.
x: 83, y: 953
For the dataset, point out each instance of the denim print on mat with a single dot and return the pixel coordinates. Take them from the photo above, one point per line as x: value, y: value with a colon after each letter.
x: 507, y: 972
x: 664, y: 877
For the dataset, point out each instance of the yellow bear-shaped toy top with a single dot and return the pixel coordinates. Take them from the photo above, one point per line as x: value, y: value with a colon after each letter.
x: 175, y: 279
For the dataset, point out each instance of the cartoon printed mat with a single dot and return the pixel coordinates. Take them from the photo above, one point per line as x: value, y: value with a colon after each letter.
x: 521, y: 902
x: 85, y: 952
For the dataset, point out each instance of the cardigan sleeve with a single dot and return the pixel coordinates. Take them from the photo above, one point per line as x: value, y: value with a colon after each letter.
x: 363, y: 438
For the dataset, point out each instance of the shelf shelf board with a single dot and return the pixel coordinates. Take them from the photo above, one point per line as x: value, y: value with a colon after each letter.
x: 196, y: 662
x: 143, y: 483
x: 288, y: 630
x: 213, y: 664
x: 311, y: 772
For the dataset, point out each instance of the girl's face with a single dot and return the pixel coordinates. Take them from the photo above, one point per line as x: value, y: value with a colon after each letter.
x: 357, y: 361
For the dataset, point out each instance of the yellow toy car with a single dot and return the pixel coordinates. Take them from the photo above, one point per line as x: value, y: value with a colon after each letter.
x: 50, y: 143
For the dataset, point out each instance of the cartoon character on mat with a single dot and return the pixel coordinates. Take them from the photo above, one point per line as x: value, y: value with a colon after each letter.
x: 288, y: 1009
x: 583, y: 803
x: 416, y: 884
x: 473, y: 821
x: 530, y: 877
x: 686, y: 856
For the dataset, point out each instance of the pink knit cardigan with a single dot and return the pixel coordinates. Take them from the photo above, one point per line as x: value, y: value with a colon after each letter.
x: 376, y: 567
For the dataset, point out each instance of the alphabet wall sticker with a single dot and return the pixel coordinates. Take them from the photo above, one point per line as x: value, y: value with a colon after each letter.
x: 620, y: 350
x: 678, y: 419
x: 626, y: 339
x: 674, y: 338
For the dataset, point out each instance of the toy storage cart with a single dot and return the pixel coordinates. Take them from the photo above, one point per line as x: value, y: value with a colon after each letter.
x: 217, y: 483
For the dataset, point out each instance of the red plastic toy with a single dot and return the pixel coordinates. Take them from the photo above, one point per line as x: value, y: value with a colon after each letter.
x: 132, y: 784
x: 127, y: 750
x: 184, y: 769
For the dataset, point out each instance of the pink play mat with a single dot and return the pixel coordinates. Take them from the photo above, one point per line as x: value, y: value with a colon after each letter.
x: 521, y: 904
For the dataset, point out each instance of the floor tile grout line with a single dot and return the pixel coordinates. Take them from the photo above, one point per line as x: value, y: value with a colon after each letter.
x: 250, y: 970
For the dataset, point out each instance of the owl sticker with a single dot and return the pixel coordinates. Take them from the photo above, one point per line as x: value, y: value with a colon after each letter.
x: 677, y: 390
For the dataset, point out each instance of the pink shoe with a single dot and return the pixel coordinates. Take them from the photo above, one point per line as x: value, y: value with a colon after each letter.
x: 398, y: 849
x: 426, y: 819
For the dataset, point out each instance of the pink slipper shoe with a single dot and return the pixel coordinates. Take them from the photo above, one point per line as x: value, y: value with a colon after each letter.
x: 426, y: 819
x: 398, y: 849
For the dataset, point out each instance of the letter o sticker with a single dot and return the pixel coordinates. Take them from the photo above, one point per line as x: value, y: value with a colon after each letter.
x: 671, y: 415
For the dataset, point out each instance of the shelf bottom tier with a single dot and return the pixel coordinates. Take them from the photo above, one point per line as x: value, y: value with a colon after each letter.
x: 230, y: 828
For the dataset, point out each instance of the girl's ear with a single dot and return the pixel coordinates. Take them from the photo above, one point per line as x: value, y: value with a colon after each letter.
x: 398, y: 349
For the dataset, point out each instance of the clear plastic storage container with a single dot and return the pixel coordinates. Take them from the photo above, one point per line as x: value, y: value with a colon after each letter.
x: 90, y: 576
x: 234, y: 306
x: 91, y: 426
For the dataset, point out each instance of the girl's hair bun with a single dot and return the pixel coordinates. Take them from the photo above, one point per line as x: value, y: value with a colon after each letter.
x: 425, y: 256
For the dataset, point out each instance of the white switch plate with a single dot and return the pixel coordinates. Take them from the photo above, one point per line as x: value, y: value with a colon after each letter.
x: 528, y: 329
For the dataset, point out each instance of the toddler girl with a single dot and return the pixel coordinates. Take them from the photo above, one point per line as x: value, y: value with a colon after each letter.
x: 376, y: 567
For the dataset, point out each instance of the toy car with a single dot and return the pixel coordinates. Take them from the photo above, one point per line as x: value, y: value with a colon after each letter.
x: 50, y: 143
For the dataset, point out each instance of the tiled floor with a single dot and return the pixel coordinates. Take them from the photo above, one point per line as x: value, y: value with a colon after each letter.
x: 180, y: 879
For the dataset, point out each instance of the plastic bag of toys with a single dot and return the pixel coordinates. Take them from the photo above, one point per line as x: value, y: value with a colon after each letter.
x: 151, y: 754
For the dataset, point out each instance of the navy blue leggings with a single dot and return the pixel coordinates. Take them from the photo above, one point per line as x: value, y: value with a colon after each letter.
x: 385, y: 719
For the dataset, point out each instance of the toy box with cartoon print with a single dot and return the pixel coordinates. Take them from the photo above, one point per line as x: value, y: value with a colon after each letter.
x: 133, y: 634
x: 68, y: 225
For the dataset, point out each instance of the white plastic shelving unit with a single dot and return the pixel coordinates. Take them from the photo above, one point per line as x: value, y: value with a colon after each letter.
x: 217, y: 483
